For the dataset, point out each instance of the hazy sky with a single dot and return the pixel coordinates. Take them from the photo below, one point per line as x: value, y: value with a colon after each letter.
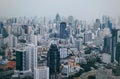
x: 82, y: 9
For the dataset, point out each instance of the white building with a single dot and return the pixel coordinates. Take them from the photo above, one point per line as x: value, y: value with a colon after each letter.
x: 32, y: 50
x: 26, y: 57
x: 63, y: 52
x: 88, y: 36
x: 106, y: 58
x: 41, y: 73
x: 34, y: 39
x: 11, y: 40
x: 65, y: 70
x: 78, y: 44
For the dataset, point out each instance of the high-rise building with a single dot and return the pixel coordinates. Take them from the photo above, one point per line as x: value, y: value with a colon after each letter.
x: 115, y: 45
x: 1, y: 40
x: 34, y: 39
x: 63, y: 52
x: 87, y: 36
x: 26, y: 58
x: 117, y: 55
x: 22, y: 60
x: 53, y: 61
x: 57, y: 18
x: 109, y: 25
x: 63, y: 30
x: 78, y: 43
x: 41, y: 73
x: 12, y: 42
x: 114, y: 41
x: 32, y: 50
x: 107, y: 44
x: 97, y: 24
x: 70, y: 21
x: 4, y: 32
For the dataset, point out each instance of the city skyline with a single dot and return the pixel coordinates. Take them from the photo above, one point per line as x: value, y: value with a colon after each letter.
x: 59, y: 39
x: 82, y: 9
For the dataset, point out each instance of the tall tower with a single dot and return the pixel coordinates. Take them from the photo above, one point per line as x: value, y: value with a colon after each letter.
x: 107, y: 44
x: 114, y: 41
x: 115, y: 56
x: 22, y: 60
x: 63, y: 30
x: 70, y: 21
x: 53, y: 61
x: 26, y: 58
x: 57, y: 18
x: 57, y: 21
x: 32, y: 50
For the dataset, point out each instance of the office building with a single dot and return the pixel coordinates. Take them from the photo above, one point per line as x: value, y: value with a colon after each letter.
x: 114, y: 41
x: 63, y: 52
x: 22, y: 60
x: 97, y: 24
x: 115, y: 45
x: 63, y: 30
x: 70, y: 21
x: 32, y: 50
x: 106, y: 58
x: 107, y: 44
x: 41, y: 73
x: 65, y: 71
x: 26, y: 58
x: 87, y: 36
x: 117, y: 55
x: 78, y: 43
x: 53, y: 61
x: 34, y: 39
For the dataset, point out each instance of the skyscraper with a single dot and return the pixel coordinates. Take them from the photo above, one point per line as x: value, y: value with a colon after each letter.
x: 32, y: 50
x: 78, y: 43
x: 63, y: 30
x: 70, y: 21
x: 107, y: 44
x: 22, y: 60
x: 117, y: 55
x: 117, y: 58
x: 57, y: 21
x: 114, y: 41
x: 4, y: 32
x: 53, y: 61
x: 57, y: 18
x: 115, y: 45
x: 26, y: 58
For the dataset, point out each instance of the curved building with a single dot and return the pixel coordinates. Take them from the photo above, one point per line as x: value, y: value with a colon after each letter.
x: 53, y: 61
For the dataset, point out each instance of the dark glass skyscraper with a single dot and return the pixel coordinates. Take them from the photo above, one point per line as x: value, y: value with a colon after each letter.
x: 63, y: 30
x: 114, y: 41
x: 110, y: 25
x: 53, y: 61
x: 107, y: 44
x: 19, y: 62
x: 118, y: 53
x: 115, y: 45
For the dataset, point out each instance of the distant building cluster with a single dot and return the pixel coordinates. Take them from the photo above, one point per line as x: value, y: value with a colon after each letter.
x: 58, y: 48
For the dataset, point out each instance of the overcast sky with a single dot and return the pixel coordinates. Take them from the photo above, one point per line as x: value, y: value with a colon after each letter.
x: 82, y: 9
